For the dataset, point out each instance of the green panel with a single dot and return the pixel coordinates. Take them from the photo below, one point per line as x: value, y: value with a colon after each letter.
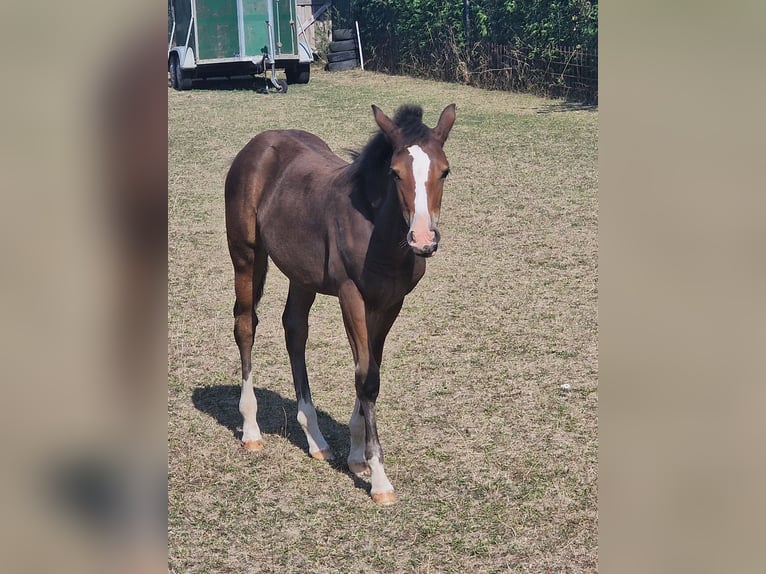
x: 255, y: 15
x: 284, y: 32
x: 217, y: 29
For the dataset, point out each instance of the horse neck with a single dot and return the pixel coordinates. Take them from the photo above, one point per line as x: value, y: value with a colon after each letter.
x: 390, y: 229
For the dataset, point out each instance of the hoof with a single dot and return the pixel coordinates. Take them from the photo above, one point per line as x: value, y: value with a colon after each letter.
x: 323, y: 455
x: 359, y: 468
x: 252, y: 445
x: 384, y: 498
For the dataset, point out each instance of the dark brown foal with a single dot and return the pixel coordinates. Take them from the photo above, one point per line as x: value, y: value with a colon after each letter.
x: 358, y: 231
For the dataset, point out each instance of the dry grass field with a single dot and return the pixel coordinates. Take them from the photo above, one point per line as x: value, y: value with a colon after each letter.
x: 495, y: 465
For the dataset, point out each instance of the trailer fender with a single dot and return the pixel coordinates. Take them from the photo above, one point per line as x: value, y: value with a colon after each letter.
x: 304, y: 52
x: 185, y: 57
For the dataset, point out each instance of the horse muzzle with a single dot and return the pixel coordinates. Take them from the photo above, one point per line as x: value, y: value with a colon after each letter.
x: 423, y: 243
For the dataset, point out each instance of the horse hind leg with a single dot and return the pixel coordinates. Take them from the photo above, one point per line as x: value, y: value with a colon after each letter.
x: 296, y: 325
x: 250, y: 267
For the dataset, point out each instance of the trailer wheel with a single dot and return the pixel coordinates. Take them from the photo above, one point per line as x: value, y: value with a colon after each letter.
x: 298, y: 73
x: 178, y: 78
x: 184, y: 81
x: 282, y: 86
x: 173, y: 69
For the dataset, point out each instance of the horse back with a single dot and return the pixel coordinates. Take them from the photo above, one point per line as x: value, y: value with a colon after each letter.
x: 275, y: 160
x: 271, y: 154
x: 284, y: 193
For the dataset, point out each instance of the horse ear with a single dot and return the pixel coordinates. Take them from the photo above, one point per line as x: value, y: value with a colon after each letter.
x: 388, y: 127
x: 442, y: 129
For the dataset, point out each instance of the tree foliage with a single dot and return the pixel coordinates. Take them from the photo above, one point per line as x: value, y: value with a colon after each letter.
x: 537, y: 25
x: 541, y: 24
x: 500, y: 44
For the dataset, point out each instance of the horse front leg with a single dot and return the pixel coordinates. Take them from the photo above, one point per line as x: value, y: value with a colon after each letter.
x: 363, y: 425
x: 378, y: 326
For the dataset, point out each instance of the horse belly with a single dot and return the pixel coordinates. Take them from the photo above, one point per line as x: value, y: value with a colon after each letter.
x: 298, y: 253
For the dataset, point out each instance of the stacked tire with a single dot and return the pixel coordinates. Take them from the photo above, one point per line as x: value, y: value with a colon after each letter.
x: 342, y: 54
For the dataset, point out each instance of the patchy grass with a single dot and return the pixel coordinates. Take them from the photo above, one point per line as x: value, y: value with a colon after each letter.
x: 495, y: 466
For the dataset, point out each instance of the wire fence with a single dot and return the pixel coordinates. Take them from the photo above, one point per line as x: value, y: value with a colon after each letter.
x: 565, y: 72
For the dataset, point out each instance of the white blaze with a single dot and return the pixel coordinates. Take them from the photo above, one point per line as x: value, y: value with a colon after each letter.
x: 421, y: 163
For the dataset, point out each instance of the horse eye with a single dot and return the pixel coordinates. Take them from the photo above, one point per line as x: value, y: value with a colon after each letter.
x: 395, y: 175
x: 445, y: 173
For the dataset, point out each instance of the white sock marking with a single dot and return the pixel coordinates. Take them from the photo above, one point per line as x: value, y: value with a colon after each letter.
x: 307, y: 417
x: 421, y: 163
x: 378, y: 478
x: 248, y: 407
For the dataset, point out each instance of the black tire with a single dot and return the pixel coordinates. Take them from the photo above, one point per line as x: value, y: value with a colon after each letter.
x: 341, y: 66
x: 341, y: 56
x: 183, y: 81
x: 173, y: 69
x: 342, y: 46
x: 298, y: 73
x: 343, y: 34
x: 282, y: 86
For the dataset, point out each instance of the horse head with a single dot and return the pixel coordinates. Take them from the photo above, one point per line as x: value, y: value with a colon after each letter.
x: 418, y: 170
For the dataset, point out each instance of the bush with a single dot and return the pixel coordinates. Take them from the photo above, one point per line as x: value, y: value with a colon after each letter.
x: 443, y: 40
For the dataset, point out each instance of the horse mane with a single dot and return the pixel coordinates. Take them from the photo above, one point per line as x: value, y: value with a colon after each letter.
x: 375, y: 156
x: 409, y: 119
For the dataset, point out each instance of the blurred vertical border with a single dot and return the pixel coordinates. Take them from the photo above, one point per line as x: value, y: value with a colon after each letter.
x: 681, y: 287
x: 83, y: 229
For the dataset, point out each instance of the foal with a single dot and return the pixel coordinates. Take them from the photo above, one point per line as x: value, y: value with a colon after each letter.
x: 359, y: 231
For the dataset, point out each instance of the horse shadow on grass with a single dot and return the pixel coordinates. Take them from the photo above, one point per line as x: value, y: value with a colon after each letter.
x: 276, y: 416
